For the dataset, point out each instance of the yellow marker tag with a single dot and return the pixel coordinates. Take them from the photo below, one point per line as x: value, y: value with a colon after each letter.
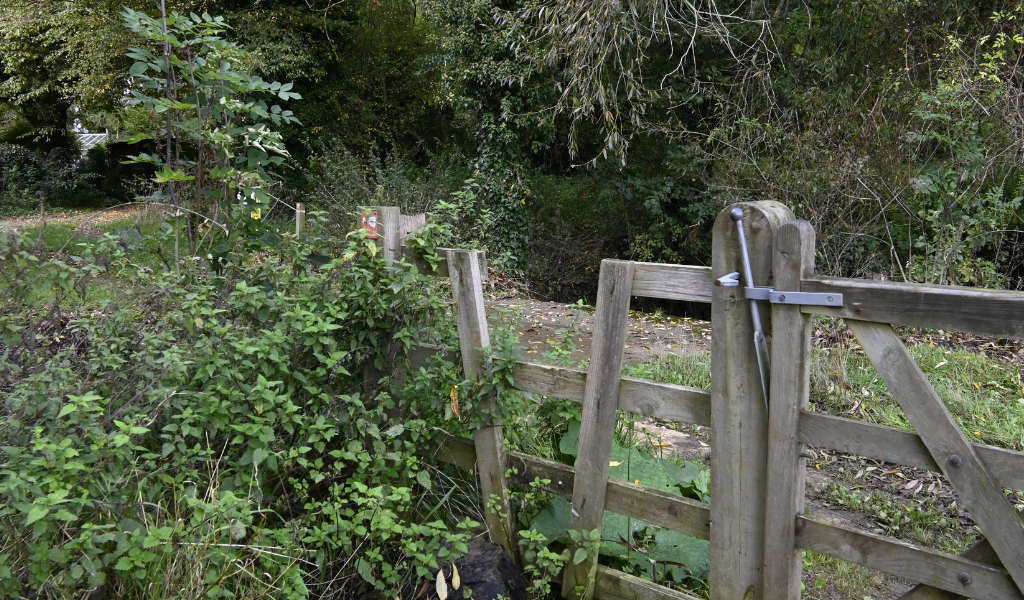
x: 637, y: 482
x: 663, y: 444
x: 614, y: 463
x: 454, y: 395
x: 256, y: 214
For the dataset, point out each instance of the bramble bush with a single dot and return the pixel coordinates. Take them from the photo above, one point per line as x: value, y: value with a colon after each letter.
x: 214, y: 436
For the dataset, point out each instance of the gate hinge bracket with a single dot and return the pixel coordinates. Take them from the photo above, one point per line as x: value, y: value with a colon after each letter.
x: 770, y: 295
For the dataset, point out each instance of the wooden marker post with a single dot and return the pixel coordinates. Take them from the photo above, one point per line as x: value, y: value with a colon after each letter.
x: 300, y: 218
x: 386, y: 229
x: 739, y: 420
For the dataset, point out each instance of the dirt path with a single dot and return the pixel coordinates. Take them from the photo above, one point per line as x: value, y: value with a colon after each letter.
x: 86, y: 221
x: 551, y: 332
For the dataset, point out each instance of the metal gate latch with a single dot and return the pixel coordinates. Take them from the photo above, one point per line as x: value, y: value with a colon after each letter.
x: 770, y: 295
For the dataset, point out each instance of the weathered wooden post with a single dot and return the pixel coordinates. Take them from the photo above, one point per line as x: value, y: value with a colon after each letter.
x: 600, y: 402
x: 739, y: 430
x: 467, y: 289
x: 388, y: 230
x: 300, y: 218
x: 385, y: 231
x: 792, y: 261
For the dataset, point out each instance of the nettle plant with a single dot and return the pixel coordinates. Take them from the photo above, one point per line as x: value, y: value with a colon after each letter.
x: 213, y: 142
x: 214, y: 437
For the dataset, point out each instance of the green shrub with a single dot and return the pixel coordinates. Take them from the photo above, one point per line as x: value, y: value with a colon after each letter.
x: 340, y: 182
x: 23, y: 174
x: 215, y: 436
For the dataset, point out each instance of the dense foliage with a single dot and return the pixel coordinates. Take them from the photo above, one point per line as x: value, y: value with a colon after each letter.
x: 215, y: 436
x: 555, y: 134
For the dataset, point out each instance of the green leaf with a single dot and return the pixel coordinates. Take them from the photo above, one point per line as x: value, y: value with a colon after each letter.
x: 580, y: 556
x: 423, y: 478
x: 553, y: 521
x: 67, y: 410
x: 124, y: 564
x: 365, y: 570
x: 259, y: 455
x: 37, y: 512
x: 237, y: 530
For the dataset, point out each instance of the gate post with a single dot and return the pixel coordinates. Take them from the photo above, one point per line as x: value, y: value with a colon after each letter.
x: 739, y: 431
x: 791, y: 377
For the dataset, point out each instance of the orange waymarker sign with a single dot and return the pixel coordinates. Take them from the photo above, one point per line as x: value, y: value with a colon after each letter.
x: 369, y: 224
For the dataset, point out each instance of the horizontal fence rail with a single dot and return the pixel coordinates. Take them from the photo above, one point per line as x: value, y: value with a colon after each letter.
x: 900, y: 447
x: 995, y: 313
x: 668, y: 401
x: 635, y: 501
x: 930, y: 567
x: 672, y: 282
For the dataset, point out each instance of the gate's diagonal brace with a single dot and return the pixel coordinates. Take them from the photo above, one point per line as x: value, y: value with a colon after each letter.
x: 952, y: 451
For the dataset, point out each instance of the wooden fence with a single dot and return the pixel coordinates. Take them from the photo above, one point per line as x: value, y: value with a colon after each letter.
x: 756, y: 523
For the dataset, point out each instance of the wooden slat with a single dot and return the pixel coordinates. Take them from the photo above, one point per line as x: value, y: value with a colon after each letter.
x: 898, y: 558
x: 667, y: 401
x: 739, y: 421
x: 672, y: 282
x: 985, y: 312
x: 600, y: 406
x: 976, y: 489
x: 790, y: 390
x: 548, y: 380
x: 1007, y: 466
x: 409, y: 224
x: 389, y: 230
x: 616, y: 585
x: 981, y: 552
x: 453, y: 450
x: 420, y: 355
x: 866, y: 439
x: 471, y: 320
x: 901, y: 447
x: 635, y: 501
x: 441, y: 268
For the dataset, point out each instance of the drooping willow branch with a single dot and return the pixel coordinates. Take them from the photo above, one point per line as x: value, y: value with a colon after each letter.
x: 599, y: 49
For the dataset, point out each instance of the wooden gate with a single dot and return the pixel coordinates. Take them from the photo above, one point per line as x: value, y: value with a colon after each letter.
x: 994, y: 568
x: 755, y: 521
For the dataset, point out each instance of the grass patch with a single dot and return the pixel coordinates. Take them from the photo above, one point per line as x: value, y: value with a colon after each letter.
x: 928, y: 522
x: 55, y: 236
x: 825, y: 575
x: 692, y: 370
x: 984, y: 395
x: 139, y: 235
